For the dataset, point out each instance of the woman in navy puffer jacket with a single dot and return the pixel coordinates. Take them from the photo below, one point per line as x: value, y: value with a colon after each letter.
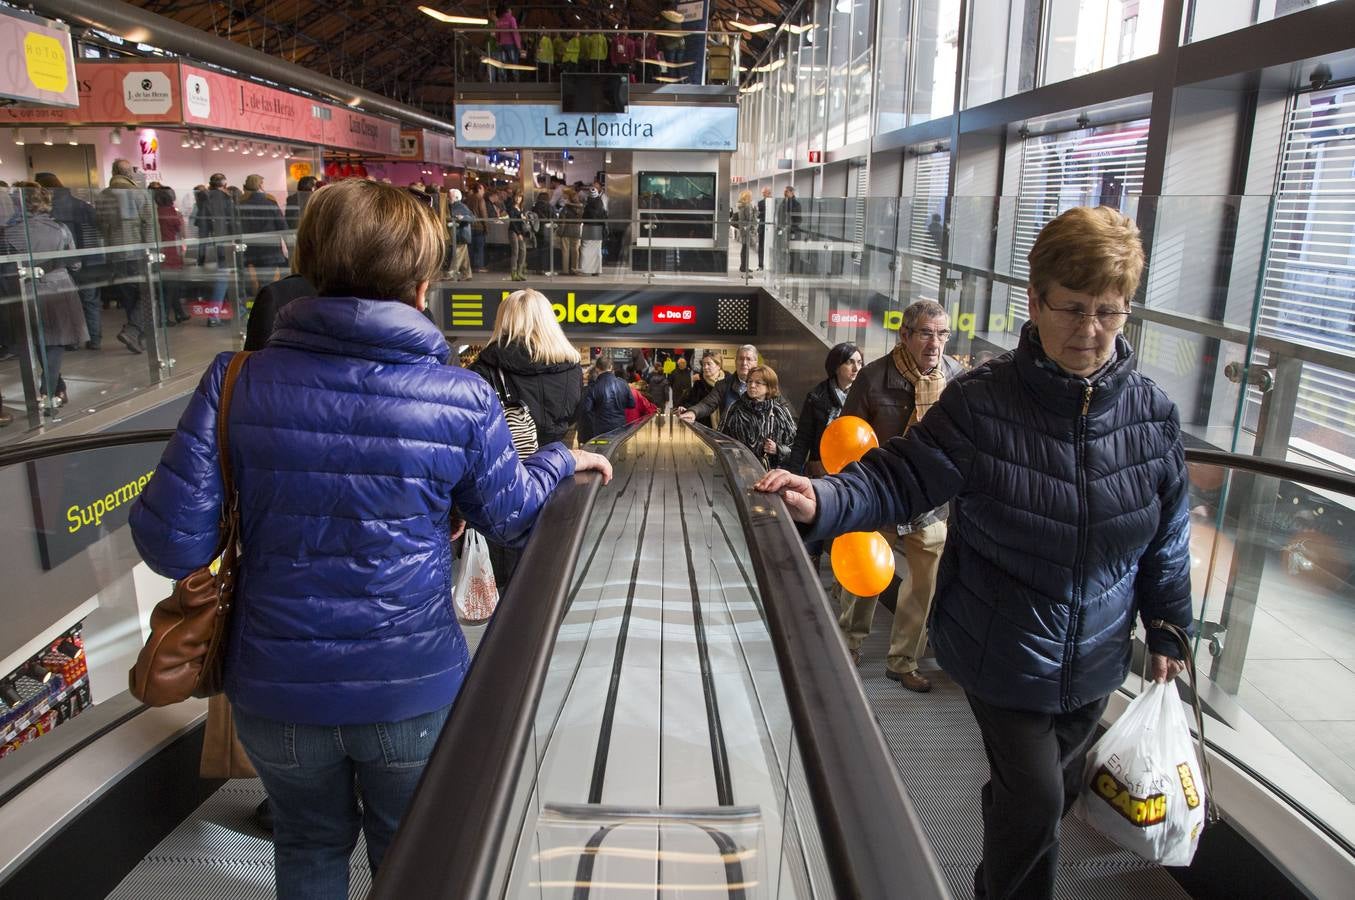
x: 354, y: 449
x: 1067, y: 476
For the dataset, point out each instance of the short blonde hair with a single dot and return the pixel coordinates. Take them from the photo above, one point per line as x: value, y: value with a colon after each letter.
x: 1090, y: 250
x: 715, y: 355
x: 253, y: 183
x: 768, y: 376
x: 745, y: 196
x: 360, y: 238
x: 526, y: 316
x: 36, y: 198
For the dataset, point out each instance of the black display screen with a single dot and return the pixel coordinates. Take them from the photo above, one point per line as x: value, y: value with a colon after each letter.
x: 590, y: 92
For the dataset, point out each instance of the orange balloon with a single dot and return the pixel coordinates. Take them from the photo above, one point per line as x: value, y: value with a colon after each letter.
x: 844, y: 441
x: 863, y: 562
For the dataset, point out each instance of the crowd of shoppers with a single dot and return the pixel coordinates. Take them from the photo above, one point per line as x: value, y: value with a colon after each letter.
x: 984, y: 452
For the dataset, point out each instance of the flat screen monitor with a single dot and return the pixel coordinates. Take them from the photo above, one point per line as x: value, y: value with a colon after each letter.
x: 590, y: 92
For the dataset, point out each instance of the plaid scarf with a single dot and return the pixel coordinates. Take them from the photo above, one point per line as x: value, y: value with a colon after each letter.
x: 926, y: 387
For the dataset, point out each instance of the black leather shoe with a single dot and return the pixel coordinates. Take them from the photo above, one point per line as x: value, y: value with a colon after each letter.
x: 911, y: 680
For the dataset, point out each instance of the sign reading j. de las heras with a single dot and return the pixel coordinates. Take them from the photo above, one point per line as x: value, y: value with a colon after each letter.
x: 80, y: 498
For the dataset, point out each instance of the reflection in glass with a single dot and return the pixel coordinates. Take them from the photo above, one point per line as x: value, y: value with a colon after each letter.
x: 1084, y: 36
x: 935, y: 59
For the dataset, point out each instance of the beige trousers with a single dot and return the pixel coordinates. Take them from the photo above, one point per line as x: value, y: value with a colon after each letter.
x: 921, y: 552
x: 569, y: 250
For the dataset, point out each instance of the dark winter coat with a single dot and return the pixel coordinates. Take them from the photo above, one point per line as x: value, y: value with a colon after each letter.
x: 268, y: 303
x: 820, y: 408
x: 79, y: 218
x: 595, y: 215
x: 884, y: 398
x: 1070, y: 518
x: 550, y: 391
x: 721, y: 396
x: 680, y: 382
x: 259, y: 214
x: 695, y: 394
x: 750, y: 422
x: 604, y: 406
x: 351, y: 443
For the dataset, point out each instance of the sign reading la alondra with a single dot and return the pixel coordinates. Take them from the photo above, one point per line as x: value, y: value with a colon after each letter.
x: 593, y: 127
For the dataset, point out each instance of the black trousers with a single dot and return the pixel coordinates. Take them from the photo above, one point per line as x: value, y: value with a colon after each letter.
x: 1035, y: 762
x: 504, y: 561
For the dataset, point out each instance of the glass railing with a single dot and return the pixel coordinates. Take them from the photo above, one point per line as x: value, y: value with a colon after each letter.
x: 1249, y: 332
x: 658, y: 56
x: 1273, y: 580
x: 107, y: 293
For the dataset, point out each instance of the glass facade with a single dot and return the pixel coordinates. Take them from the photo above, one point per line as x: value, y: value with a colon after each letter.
x: 1243, y: 191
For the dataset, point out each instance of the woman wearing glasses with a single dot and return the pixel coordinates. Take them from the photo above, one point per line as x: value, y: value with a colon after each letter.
x: 1067, y: 477
x: 760, y: 418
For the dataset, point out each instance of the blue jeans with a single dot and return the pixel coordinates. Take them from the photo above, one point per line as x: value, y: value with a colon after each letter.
x: 314, y: 775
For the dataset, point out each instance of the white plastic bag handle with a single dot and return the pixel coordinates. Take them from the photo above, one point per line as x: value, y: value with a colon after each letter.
x: 1211, y: 814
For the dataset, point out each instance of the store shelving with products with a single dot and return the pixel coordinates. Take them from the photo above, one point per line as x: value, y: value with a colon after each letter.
x: 49, y: 688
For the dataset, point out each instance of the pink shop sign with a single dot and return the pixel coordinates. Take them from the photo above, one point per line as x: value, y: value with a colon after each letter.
x: 216, y: 100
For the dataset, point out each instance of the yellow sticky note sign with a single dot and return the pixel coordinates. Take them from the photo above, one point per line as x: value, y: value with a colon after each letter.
x: 45, y: 58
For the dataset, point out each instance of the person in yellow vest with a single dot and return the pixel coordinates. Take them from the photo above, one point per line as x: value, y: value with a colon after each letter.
x: 545, y: 58
x: 595, y: 51
x: 568, y: 52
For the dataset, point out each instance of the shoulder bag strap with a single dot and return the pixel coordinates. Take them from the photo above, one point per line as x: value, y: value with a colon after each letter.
x: 506, y: 397
x: 222, y: 438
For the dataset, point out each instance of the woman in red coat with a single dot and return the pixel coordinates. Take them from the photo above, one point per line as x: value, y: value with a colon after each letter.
x: 641, y: 408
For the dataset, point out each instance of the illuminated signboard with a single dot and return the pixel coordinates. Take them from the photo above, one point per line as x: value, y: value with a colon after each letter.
x: 619, y: 311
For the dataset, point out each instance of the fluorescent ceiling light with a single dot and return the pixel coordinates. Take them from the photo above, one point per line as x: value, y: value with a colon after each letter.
x: 771, y: 66
x: 755, y: 28
x: 671, y: 15
x: 801, y: 29
x: 451, y: 19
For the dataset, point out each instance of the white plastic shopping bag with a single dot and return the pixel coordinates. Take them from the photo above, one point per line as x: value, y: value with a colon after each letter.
x: 1143, y: 787
x: 475, y: 594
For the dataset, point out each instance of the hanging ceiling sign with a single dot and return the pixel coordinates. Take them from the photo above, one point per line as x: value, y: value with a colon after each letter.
x: 542, y: 125
x: 39, y: 66
x: 620, y: 312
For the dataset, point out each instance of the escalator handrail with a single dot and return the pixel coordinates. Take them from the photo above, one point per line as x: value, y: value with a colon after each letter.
x: 871, y: 834
x: 453, y: 831
x: 1312, y: 476
x: 36, y: 450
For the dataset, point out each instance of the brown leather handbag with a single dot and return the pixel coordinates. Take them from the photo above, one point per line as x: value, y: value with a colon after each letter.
x: 183, y: 657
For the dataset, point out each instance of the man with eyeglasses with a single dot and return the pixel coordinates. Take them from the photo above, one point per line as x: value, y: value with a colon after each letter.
x: 1068, y: 479
x: 893, y: 393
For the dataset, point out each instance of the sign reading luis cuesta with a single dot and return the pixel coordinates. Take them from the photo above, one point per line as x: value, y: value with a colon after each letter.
x: 654, y: 127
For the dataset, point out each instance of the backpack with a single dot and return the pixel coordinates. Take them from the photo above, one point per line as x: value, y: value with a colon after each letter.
x: 521, y: 425
x: 533, y: 220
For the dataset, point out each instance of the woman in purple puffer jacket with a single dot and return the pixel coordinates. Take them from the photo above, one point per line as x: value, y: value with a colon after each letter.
x: 354, y: 449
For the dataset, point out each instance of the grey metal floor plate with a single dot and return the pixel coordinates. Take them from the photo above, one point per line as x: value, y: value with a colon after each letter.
x: 217, y: 853
x: 936, y: 744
